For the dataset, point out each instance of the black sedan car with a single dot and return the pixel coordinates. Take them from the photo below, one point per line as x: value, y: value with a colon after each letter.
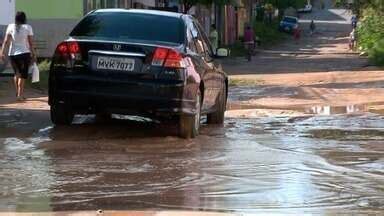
x: 138, y: 62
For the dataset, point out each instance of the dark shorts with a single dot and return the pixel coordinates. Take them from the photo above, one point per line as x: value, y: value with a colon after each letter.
x: 20, y: 64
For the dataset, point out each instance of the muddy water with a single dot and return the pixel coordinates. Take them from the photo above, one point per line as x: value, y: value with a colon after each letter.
x: 315, y: 164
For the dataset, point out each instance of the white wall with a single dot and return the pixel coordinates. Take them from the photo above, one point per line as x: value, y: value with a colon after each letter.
x: 7, y: 11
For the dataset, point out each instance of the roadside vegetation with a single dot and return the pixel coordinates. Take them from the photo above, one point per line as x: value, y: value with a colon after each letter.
x: 371, y: 27
x: 371, y: 34
x: 266, y: 25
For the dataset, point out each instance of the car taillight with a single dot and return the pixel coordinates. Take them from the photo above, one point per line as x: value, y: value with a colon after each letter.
x: 68, y: 49
x: 167, y: 58
x: 159, y: 56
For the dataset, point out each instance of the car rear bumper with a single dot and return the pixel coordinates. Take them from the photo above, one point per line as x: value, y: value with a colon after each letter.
x: 141, y: 97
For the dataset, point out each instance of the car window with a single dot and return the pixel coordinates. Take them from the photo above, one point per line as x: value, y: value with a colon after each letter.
x: 290, y: 20
x: 203, y: 39
x: 192, y: 34
x: 196, y: 39
x: 131, y: 26
x: 191, y: 42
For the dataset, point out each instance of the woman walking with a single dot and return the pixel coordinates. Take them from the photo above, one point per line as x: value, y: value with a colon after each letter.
x: 18, y: 38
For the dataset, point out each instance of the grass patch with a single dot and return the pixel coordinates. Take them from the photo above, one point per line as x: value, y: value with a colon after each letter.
x: 244, y: 81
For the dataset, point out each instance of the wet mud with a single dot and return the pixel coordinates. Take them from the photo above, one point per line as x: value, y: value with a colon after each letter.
x: 305, y: 135
x: 314, y: 163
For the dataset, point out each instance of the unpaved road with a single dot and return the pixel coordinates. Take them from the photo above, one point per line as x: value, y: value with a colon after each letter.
x: 299, y: 138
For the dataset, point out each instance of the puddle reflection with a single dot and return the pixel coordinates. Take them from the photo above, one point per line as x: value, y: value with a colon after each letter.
x: 332, y: 110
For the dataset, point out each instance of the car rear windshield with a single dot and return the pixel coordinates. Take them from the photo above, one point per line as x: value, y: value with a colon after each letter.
x: 125, y: 26
x: 290, y: 20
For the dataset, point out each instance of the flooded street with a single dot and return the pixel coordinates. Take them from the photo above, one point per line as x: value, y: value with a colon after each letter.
x: 304, y: 133
x: 314, y: 163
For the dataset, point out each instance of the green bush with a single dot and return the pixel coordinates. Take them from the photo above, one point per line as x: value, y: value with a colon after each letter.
x: 371, y: 35
x: 377, y: 53
x: 269, y: 34
x: 237, y: 49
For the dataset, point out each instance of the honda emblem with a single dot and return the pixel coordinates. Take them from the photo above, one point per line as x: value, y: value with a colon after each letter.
x: 117, y: 47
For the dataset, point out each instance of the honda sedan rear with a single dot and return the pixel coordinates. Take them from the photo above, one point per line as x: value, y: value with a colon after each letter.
x: 138, y: 62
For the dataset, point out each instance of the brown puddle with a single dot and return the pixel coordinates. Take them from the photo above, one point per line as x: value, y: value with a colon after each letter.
x: 239, y: 167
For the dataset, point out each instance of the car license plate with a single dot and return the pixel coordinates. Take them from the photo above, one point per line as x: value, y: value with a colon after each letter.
x: 119, y: 64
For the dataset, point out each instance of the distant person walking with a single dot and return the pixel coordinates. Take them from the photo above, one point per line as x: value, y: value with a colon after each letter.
x: 18, y: 39
x: 214, y: 38
x: 354, y: 21
x: 352, y: 39
x: 312, y: 27
x: 249, y: 41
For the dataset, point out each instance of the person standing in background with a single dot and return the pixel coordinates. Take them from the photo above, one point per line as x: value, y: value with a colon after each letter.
x: 354, y: 21
x: 312, y: 27
x: 352, y: 40
x: 249, y: 41
x: 214, y: 38
x: 19, y: 39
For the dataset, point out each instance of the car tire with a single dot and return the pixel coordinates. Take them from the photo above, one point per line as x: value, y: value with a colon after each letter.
x: 218, y: 116
x: 61, y: 114
x: 189, y: 125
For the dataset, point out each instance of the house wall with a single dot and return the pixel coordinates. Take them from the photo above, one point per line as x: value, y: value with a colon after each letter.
x: 51, y: 9
x: 51, y: 20
x: 7, y: 14
x: 7, y: 11
x: 49, y: 33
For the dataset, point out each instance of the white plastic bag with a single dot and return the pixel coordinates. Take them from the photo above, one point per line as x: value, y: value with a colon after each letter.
x: 34, y: 70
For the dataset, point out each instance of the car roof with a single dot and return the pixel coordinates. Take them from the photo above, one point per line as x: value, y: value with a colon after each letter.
x: 292, y: 17
x: 141, y: 11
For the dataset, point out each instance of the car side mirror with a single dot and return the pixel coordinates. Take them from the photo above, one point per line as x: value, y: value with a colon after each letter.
x: 222, y: 52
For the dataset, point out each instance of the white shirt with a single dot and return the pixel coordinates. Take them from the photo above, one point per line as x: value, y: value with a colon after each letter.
x: 19, y: 35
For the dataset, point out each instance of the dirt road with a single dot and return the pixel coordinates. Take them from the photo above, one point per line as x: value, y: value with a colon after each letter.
x: 303, y: 135
x: 316, y: 75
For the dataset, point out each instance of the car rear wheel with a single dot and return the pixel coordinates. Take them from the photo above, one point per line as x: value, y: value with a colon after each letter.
x: 190, y: 124
x: 218, y: 116
x: 61, y: 114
